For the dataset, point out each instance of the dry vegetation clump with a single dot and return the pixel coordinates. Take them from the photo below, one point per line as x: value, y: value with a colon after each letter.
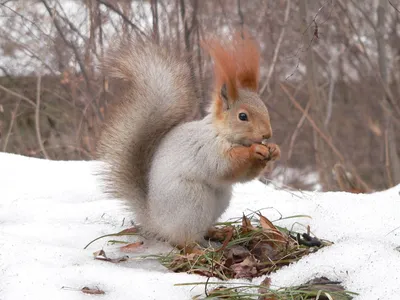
x: 250, y: 247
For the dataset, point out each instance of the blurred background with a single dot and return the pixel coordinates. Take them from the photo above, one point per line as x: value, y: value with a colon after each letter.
x: 329, y: 76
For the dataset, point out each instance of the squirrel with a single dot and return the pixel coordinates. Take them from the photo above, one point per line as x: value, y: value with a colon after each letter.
x: 176, y: 171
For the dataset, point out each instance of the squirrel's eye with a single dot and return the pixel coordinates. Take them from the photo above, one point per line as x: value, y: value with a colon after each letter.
x: 243, y: 117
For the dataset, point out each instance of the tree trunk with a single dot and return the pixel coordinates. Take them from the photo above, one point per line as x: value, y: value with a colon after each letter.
x: 323, y: 154
x: 392, y: 160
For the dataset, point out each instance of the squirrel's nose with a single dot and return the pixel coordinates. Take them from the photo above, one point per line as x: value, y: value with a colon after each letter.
x: 267, y: 136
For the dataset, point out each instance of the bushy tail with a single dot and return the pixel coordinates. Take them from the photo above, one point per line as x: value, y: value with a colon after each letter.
x: 158, y: 93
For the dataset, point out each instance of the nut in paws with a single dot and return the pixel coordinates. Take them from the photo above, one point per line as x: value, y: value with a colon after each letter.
x: 274, y: 152
x: 260, y: 152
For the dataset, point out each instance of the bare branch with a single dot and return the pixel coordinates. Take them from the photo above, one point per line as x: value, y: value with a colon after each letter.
x: 387, y: 159
x: 10, y: 127
x: 122, y: 15
x: 276, y: 51
x: 17, y: 95
x: 320, y: 133
x: 391, y: 4
x: 37, y: 118
x: 313, y: 124
x: 240, y: 13
x: 67, y: 42
x: 296, y: 131
x: 154, y: 12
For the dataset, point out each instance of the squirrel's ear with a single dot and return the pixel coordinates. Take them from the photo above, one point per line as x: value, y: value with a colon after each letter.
x: 224, y: 96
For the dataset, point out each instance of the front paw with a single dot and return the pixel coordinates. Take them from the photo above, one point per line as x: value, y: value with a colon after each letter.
x: 260, y: 152
x: 274, y: 152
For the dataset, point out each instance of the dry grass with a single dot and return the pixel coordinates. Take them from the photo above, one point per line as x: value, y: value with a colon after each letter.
x: 251, y: 247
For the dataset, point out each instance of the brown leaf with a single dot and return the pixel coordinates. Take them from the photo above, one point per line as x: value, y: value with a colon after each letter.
x: 228, y: 238
x: 129, y: 230
x: 192, y: 249
x: 265, y: 251
x: 264, y: 289
x: 183, y: 263
x: 323, y: 283
x: 271, y: 230
x: 118, y: 259
x: 90, y: 291
x: 101, y: 255
x: 131, y: 247
x: 245, y: 269
x: 236, y: 254
x: 265, y: 223
x: 246, y: 225
x: 201, y: 272
x: 217, y: 234
x: 374, y: 127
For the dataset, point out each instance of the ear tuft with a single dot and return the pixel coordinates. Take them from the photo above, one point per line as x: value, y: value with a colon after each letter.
x: 224, y: 66
x: 236, y: 65
x: 247, y: 56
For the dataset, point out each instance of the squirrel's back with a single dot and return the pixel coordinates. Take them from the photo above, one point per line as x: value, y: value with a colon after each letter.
x: 158, y: 94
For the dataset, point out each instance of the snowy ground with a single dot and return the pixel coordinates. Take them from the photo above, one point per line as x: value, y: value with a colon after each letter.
x: 50, y: 210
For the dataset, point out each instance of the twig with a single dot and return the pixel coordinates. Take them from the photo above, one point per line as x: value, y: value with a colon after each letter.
x: 17, y: 95
x: 240, y: 13
x: 73, y: 47
x: 70, y: 24
x: 13, y: 117
x: 276, y: 51
x: 391, y: 4
x: 330, y: 101
x: 316, y: 128
x: 67, y: 42
x: 208, y: 277
x: 30, y: 52
x: 387, y: 159
x: 26, y: 20
x: 73, y: 148
x: 122, y: 15
x: 314, y: 36
x: 154, y: 13
x: 317, y: 14
x: 299, y: 125
x: 389, y: 95
x: 365, y: 15
x: 37, y: 119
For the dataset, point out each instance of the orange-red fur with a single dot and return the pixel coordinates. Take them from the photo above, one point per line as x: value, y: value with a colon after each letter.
x: 247, y: 163
x: 247, y: 55
x: 236, y: 64
x: 224, y: 65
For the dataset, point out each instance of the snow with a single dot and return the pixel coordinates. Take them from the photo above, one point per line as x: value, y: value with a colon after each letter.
x: 49, y: 210
x: 282, y: 176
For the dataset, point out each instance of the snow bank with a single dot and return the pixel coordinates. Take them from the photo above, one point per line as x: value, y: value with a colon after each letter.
x: 49, y: 210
